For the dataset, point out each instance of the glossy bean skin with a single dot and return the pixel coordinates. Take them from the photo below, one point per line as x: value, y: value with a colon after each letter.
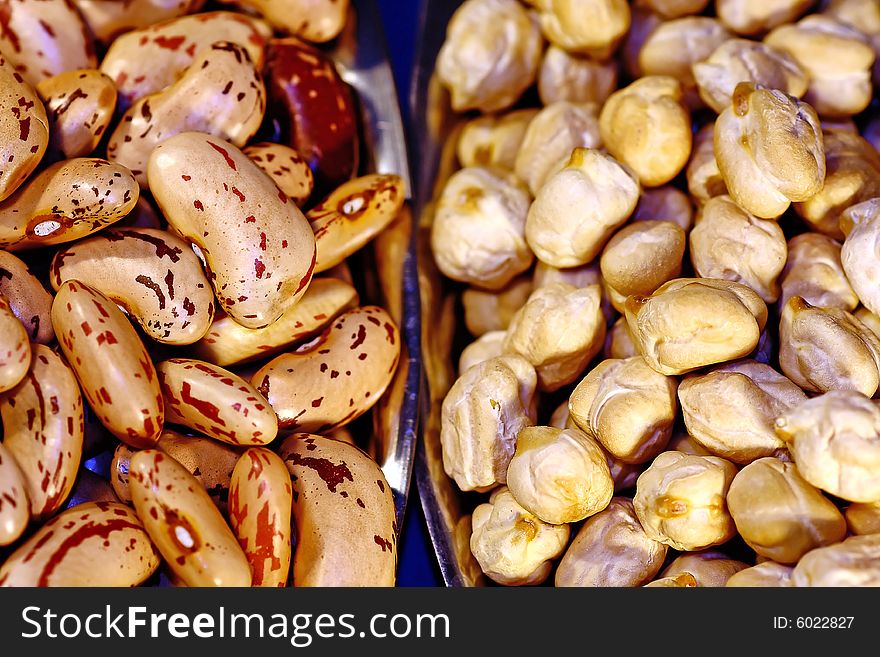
x: 65, y: 202
x: 286, y: 167
x: 27, y: 298
x: 151, y: 273
x: 43, y: 430
x: 343, y: 512
x: 111, y: 363
x: 92, y: 544
x: 108, y: 18
x: 215, y: 402
x: 335, y: 378
x: 208, y: 189
x: 312, y: 20
x: 14, y: 505
x: 184, y: 524
x: 260, y: 499
x: 15, y: 348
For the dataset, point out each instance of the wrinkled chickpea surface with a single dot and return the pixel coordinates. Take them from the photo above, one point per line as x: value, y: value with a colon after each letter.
x: 710, y: 169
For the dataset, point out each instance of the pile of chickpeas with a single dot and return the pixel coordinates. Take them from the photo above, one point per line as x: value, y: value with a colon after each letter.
x: 665, y: 228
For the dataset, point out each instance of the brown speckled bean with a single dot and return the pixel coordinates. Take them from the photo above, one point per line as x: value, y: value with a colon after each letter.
x: 215, y: 402
x: 335, y: 378
x: 209, y: 190
x: 27, y: 297
x: 79, y: 105
x: 260, y: 499
x: 111, y: 363
x: 67, y: 201
x: 152, y: 274
x: 14, y: 506
x: 286, y: 167
x: 184, y: 524
x: 23, y: 126
x: 343, y: 511
x: 109, y: 18
x: 312, y: 20
x: 15, y: 348
x: 93, y: 544
x: 43, y: 430
x: 220, y: 94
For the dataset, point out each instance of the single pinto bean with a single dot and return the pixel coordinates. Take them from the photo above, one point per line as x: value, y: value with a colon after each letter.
x: 27, y: 297
x: 14, y: 506
x: 107, y: 19
x: 15, y: 348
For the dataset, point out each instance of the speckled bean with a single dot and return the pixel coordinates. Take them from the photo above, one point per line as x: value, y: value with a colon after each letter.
x: 27, y: 297
x: 313, y: 20
x: 14, y: 505
x: 286, y: 167
x: 107, y: 19
x: 15, y: 348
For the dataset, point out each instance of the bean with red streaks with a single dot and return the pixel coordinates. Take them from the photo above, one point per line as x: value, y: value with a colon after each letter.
x: 14, y: 505
x: 15, y: 348
x: 108, y: 19
x: 27, y: 297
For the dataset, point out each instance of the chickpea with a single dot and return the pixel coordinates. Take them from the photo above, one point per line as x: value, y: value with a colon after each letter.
x: 578, y: 276
x: 835, y: 441
x: 869, y: 319
x: 619, y: 341
x: 769, y: 149
x: 676, y: 8
x: 864, y: 15
x: 751, y: 17
x: 703, y: 176
x: 689, y: 323
x: 710, y: 568
x: 559, y: 330
x: 592, y: 27
x: 579, y: 208
x: 640, y: 258
x: 779, y: 514
x: 665, y: 203
x: 863, y: 518
x: 823, y: 349
x: 478, y: 235
x: 767, y: 574
x: 684, y: 442
x: 493, y: 141
x: 680, y: 500
x: 611, y: 549
x: 559, y: 475
x: 854, y: 562
x: 731, y: 410
x: 486, y: 310
x: 491, y: 54
x: 564, y: 76
x: 814, y: 272
x: 487, y: 346
x: 727, y: 242
x: 552, y: 135
x: 626, y: 406
x: 512, y: 546
x: 647, y: 127
x: 838, y: 59
x: 861, y: 249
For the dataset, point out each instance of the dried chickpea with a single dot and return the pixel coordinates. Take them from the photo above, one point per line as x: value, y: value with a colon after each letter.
x: 766, y: 574
x: 814, y: 272
x: 478, y: 235
x: 854, y: 562
x: 619, y: 341
x: 859, y: 254
x: 838, y: 58
x: 863, y: 517
x: 559, y: 330
x: 731, y: 410
x: 611, y: 549
x: 665, y: 203
x: 751, y: 17
x: 593, y: 27
x: 646, y: 126
x: 578, y: 209
x: 565, y: 76
x: 493, y: 141
x: 559, y: 475
x: 626, y: 406
x: 742, y: 60
x: 703, y: 175
x: 578, y: 276
x: 869, y: 319
x: 710, y: 568
x: 779, y: 514
x: 486, y: 311
x: 729, y: 243
x: 864, y: 15
x: 835, y: 442
x: 823, y: 349
x: 491, y: 54
x: 676, y: 8
x: 689, y: 323
x: 487, y: 346
x: 551, y: 137
x: 512, y: 546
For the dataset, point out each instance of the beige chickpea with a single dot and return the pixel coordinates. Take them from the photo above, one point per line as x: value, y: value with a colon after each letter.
x: 676, y: 8
x: 680, y: 500
x: 860, y: 251
x: 482, y: 414
x: 640, y: 258
x: 769, y: 149
x: 493, y: 141
x: 478, y: 235
x: 592, y: 27
x: 665, y: 203
x: 852, y: 175
x: 710, y: 568
x: 627, y: 406
x: 647, y: 127
x: 823, y: 349
x: 559, y: 331
x: 729, y: 243
x: 853, y: 563
x: 556, y: 131
x: 743, y: 60
x: 814, y: 272
x: 864, y: 15
x: 559, y: 475
x: 578, y: 276
x: 487, y: 346
x: 512, y: 546
x: 768, y: 574
x: 491, y: 54
x: 869, y: 319
x: 684, y: 442
x: 751, y: 17
x: 487, y: 310
x: 835, y: 441
x: 779, y: 514
x: 704, y: 178
x: 731, y: 410
x: 611, y: 549
x: 566, y: 76
x: 619, y: 341
x: 689, y: 323
x: 838, y: 59
x: 578, y: 209
x: 863, y: 517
